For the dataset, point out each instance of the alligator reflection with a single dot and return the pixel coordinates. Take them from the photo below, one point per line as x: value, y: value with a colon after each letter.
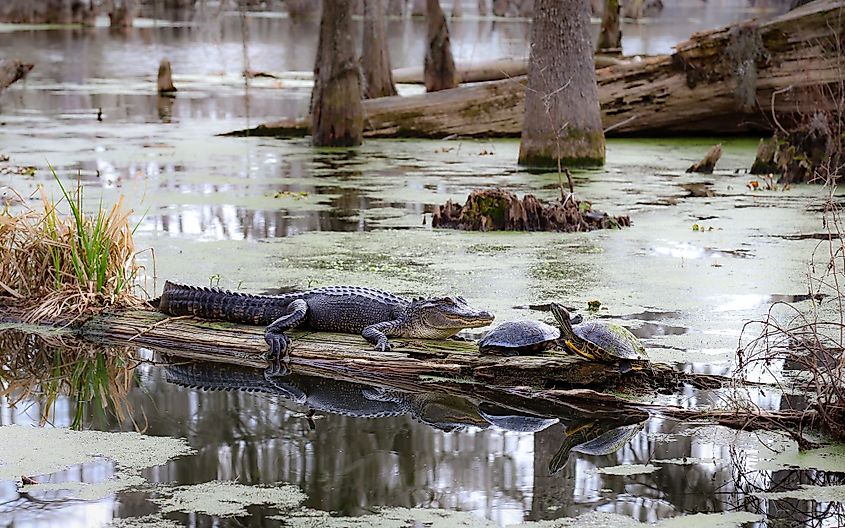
x: 441, y: 410
x: 35, y: 371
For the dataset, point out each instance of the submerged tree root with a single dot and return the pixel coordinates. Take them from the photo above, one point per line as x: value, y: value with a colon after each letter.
x: 498, y: 210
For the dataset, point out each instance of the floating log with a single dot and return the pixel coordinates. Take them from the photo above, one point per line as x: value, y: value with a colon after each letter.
x: 322, y: 353
x: 723, y: 81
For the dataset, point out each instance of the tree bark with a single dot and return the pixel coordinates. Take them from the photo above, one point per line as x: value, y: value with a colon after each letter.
x: 396, y: 8
x: 337, y: 117
x: 48, y: 12
x: 483, y: 9
x: 457, y: 9
x: 122, y: 14
x: 418, y: 7
x: 11, y: 71
x: 439, y: 69
x: 562, y: 122
x: 375, y: 59
x: 610, y: 37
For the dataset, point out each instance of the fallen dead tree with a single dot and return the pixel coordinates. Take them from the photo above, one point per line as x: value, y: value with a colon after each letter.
x: 499, y: 210
x: 724, y: 81
x: 321, y: 353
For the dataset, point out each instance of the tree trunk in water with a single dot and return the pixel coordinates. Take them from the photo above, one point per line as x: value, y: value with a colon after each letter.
x: 122, y: 14
x: 418, y: 7
x: 375, y: 59
x: 610, y: 37
x: 337, y: 117
x: 164, y: 81
x: 562, y: 116
x: 457, y: 9
x: 439, y: 69
x: 483, y: 10
x: 396, y: 8
x: 48, y: 12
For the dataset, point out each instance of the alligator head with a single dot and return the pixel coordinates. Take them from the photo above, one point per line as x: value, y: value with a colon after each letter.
x: 442, y: 317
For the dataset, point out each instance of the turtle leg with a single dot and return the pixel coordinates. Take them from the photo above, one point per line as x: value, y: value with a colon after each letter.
x: 625, y: 366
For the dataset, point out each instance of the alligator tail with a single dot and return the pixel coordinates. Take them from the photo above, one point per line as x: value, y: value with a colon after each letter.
x: 212, y: 303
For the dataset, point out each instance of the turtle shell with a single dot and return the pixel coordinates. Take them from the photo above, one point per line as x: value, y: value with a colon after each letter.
x: 519, y: 336
x: 616, y: 340
x: 610, y: 441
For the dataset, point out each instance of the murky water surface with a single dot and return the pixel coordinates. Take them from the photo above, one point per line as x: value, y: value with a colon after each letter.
x: 263, y: 215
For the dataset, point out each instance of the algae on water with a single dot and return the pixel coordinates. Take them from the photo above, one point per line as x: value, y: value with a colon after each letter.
x: 228, y: 499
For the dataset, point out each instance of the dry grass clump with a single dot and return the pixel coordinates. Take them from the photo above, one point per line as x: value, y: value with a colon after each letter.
x: 66, y: 264
x: 37, y: 370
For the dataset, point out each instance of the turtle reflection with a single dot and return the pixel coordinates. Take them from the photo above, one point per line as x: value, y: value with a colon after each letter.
x: 595, y: 437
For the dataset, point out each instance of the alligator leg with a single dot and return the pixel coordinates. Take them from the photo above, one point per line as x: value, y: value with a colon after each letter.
x: 275, y: 336
x: 377, y: 334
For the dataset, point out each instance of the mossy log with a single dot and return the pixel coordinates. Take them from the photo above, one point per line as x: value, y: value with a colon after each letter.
x: 498, y: 210
x: 723, y: 81
x: 321, y: 353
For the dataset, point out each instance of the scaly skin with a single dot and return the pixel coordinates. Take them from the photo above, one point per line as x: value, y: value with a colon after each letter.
x: 375, y: 314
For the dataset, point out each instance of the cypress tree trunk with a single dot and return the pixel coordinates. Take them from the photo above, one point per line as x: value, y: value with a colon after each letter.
x: 562, y: 115
x: 439, y: 69
x: 375, y: 59
x: 610, y: 37
x: 337, y: 117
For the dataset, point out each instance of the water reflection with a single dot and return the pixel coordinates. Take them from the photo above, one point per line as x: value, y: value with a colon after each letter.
x: 36, y: 371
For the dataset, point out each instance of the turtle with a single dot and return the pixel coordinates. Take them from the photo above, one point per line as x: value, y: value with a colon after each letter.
x: 606, y: 342
x: 525, y: 337
x: 593, y: 437
x: 511, y: 420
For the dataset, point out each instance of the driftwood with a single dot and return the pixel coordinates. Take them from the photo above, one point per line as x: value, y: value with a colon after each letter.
x: 708, y: 162
x: 498, y: 210
x: 11, y: 71
x: 723, y: 81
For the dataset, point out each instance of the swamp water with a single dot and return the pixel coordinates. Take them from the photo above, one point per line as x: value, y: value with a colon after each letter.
x: 261, y: 214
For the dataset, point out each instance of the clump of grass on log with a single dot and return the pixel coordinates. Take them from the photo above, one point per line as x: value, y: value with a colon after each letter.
x: 59, y: 261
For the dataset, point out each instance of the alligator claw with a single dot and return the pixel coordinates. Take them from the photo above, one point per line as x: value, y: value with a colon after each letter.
x: 278, y: 354
x: 384, y: 346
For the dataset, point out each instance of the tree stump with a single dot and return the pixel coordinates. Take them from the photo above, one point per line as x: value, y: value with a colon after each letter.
x: 708, y: 162
x: 499, y: 210
x: 12, y: 71
x: 165, y: 79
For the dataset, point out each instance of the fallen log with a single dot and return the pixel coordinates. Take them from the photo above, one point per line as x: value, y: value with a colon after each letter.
x: 12, y: 71
x: 322, y: 353
x: 724, y: 81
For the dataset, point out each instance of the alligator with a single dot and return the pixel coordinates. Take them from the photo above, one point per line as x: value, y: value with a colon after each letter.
x: 375, y: 314
x: 443, y: 411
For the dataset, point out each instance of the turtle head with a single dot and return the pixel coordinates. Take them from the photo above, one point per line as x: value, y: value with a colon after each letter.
x: 564, y: 318
x: 441, y: 317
